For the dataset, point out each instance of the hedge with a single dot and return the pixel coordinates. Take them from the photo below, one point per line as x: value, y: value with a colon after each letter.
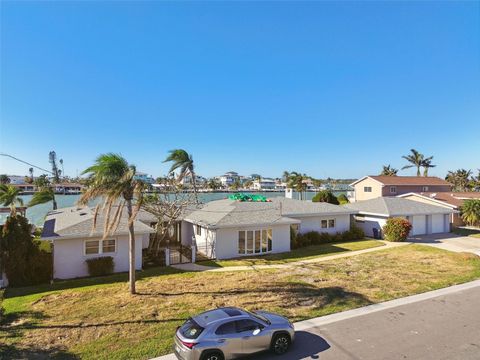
x: 317, y: 238
x: 100, y: 265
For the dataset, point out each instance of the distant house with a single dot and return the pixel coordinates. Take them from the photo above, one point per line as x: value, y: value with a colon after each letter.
x: 144, y: 177
x: 371, y: 187
x: 227, y: 228
x: 25, y: 188
x: 68, y: 188
x: 425, y: 218
x: 74, y: 241
x: 450, y: 200
x: 229, y: 178
x: 264, y: 184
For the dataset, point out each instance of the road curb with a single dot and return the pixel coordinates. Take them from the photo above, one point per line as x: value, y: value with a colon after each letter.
x: 369, y: 309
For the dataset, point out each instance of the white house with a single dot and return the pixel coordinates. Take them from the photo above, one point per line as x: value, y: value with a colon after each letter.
x: 75, y: 240
x: 264, y: 184
x: 228, y: 178
x: 425, y: 218
x: 228, y: 228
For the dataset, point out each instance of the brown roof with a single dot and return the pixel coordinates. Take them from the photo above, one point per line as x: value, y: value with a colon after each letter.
x: 452, y: 198
x: 410, y: 180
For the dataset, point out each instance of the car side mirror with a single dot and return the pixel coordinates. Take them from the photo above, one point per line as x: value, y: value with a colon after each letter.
x: 257, y: 331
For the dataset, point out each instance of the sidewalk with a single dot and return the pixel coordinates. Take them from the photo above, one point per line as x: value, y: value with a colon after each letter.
x: 315, y: 323
x: 196, y: 267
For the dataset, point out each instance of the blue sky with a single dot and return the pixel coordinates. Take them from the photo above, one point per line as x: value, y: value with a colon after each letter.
x: 328, y: 88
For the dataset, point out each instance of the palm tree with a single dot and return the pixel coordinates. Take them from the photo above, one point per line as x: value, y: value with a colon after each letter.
x: 44, y: 195
x: 113, y: 178
x: 285, y: 176
x: 52, y: 158
x: 61, y: 163
x: 389, y: 171
x: 31, y: 174
x: 415, y: 159
x: 296, y: 182
x: 427, y: 164
x: 213, y: 184
x: 471, y: 212
x: 184, y: 162
x: 10, y: 196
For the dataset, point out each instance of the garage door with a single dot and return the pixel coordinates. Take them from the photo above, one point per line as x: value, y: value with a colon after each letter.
x: 419, y: 224
x: 438, y: 225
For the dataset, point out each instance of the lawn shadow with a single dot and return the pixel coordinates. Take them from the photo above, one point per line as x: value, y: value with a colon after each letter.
x: 305, y: 346
x: 14, y: 352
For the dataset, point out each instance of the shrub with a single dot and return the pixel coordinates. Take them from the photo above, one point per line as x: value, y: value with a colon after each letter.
x: 396, y: 229
x: 100, y: 265
x: 325, y: 196
x: 316, y: 238
x: 342, y: 199
x: 23, y: 261
x: 471, y: 212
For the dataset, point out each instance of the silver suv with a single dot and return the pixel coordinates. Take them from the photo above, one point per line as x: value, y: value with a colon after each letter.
x: 229, y: 333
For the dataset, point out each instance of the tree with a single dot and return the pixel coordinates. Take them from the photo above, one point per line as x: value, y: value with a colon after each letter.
x: 183, y: 161
x: 396, y: 229
x: 42, y: 181
x: 342, y: 199
x: 236, y: 185
x: 52, y: 158
x: 44, y: 195
x: 30, y: 170
x: 248, y: 184
x: 326, y: 196
x: 4, y: 179
x: 61, y: 164
x: 296, y: 182
x: 471, y: 212
x: 285, y: 176
x: 389, y: 171
x: 255, y: 176
x: 460, y: 179
x: 10, y: 196
x: 214, y: 184
x: 427, y: 164
x: 113, y: 179
x: 415, y: 159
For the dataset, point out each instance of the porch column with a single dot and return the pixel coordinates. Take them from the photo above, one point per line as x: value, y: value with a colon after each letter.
x: 167, y: 257
x: 194, y: 253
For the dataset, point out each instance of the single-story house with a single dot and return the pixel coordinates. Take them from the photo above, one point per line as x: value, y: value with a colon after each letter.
x: 75, y: 240
x: 229, y: 228
x: 373, y: 186
x: 451, y: 200
x: 425, y: 218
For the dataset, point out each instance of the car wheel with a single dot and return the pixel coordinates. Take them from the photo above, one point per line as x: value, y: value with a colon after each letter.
x: 212, y: 355
x: 280, y: 344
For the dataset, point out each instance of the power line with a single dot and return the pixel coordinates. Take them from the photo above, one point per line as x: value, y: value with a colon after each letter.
x: 22, y: 161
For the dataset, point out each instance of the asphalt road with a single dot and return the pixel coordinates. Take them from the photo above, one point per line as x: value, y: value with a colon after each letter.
x: 445, y: 327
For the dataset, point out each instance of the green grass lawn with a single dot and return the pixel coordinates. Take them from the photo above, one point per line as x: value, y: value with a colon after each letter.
x: 98, y: 319
x: 467, y: 232
x: 305, y: 253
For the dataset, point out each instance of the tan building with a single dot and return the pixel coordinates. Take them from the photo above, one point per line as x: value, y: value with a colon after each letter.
x: 374, y: 186
x: 450, y: 200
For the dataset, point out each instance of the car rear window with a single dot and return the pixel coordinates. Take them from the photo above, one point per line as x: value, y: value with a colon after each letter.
x: 190, y: 330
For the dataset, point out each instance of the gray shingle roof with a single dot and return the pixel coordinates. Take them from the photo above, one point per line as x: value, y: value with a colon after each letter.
x: 394, y: 206
x: 228, y: 213
x: 74, y: 222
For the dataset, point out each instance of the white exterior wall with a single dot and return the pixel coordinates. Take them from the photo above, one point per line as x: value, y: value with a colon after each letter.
x: 206, y: 241
x: 370, y: 223
x: 313, y: 223
x: 69, y: 259
x: 187, y: 233
x: 227, y: 240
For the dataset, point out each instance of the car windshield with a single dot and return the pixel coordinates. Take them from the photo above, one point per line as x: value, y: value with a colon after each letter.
x: 260, y: 317
x: 190, y: 330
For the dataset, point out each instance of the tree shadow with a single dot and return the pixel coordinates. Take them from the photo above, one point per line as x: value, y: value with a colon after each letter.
x: 306, y: 345
x: 14, y: 352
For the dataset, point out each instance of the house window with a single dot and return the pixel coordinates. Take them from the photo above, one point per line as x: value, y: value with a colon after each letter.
x: 367, y: 189
x: 108, y: 246
x: 198, y: 230
x: 92, y: 247
x: 100, y: 246
x: 425, y: 188
x: 241, y: 242
x: 327, y: 223
x: 393, y: 189
x: 258, y: 241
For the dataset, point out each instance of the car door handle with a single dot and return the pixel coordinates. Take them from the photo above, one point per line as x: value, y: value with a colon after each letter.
x: 246, y: 337
x: 221, y: 340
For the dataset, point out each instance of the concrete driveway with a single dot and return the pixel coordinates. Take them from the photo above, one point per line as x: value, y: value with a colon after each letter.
x: 449, y: 242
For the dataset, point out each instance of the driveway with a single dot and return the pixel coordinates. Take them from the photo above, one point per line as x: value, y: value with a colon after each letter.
x: 449, y: 242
